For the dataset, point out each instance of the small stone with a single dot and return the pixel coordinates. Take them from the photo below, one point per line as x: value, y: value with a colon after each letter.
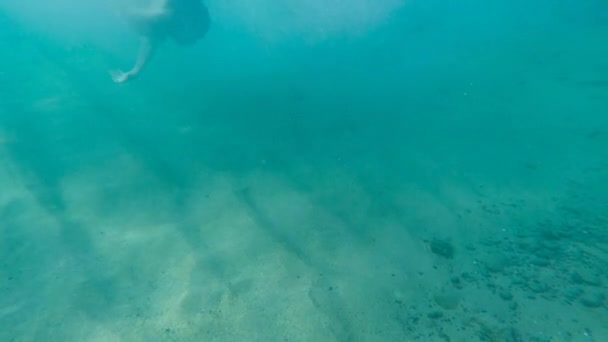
x: 550, y: 234
x: 505, y: 295
x: 442, y: 248
x: 456, y: 282
x: 512, y: 335
x: 518, y: 280
x: 576, y: 278
x: 586, y: 277
x: 447, y: 301
x: 524, y: 245
x: 548, y: 246
x: 594, y: 300
x: 538, y: 287
x: 435, y: 314
x: 468, y: 277
x: 497, y: 263
x: 573, y: 293
x: 490, y: 242
x: 538, y: 261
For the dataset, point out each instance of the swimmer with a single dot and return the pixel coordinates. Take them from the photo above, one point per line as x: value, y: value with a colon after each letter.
x: 184, y: 21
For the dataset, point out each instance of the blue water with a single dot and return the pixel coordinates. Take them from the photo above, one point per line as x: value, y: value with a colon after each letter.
x: 310, y: 171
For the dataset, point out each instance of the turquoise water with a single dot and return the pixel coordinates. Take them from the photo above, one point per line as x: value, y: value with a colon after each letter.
x: 320, y: 171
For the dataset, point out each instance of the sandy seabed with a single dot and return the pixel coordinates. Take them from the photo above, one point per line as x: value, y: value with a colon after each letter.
x: 126, y: 228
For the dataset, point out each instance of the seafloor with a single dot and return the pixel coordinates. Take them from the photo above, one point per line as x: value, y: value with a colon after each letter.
x: 310, y: 201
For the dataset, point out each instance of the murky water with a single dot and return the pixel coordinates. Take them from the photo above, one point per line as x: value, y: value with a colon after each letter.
x: 321, y: 171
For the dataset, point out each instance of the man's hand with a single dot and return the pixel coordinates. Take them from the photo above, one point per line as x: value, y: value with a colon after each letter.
x: 119, y: 76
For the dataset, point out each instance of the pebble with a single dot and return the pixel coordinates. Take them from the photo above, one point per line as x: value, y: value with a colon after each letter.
x: 435, y: 314
x: 442, y: 248
x: 538, y: 261
x: 586, y: 277
x: 551, y: 235
x: 593, y: 300
x: 468, y: 277
x: 573, y: 293
x: 538, y: 287
x: 497, y: 263
x: 456, y: 282
x: 549, y: 245
x: 505, y: 295
x: 447, y: 301
x: 513, y: 335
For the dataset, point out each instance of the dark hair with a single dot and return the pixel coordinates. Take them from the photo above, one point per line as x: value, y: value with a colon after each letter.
x: 190, y: 21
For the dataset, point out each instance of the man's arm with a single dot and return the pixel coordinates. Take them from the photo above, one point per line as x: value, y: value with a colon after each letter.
x: 146, y: 52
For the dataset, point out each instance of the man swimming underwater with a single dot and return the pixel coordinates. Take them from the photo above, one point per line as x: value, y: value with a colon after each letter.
x: 185, y: 21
